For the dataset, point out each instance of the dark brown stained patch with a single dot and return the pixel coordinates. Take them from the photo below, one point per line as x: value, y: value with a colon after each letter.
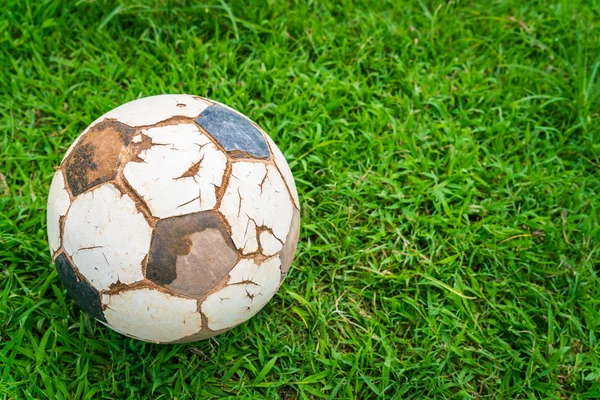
x: 291, y: 242
x: 210, y: 254
x: 190, y: 254
x: 82, y: 292
x: 96, y: 157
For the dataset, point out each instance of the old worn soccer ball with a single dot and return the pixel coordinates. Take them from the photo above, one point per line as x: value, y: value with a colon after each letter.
x: 173, y: 218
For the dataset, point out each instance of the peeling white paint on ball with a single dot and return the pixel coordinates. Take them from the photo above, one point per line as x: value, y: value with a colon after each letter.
x: 154, y: 109
x: 256, y: 196
x: 283, y: 166
x: 107, y: 237
x: 58, y: 205
x: 270, y: 244
x: 149, y: 111
x: 248, y: 238
x: 179, y: 173
x: 152, y: 315
x: 249, y: 288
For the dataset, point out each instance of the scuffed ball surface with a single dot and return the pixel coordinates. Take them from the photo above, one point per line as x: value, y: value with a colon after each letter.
x: 173, y: 218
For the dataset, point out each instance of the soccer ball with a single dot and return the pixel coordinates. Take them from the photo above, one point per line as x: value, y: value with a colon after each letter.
x: 173, y: 218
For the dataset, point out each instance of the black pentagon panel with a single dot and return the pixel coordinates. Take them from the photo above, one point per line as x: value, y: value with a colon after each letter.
x: 235, y: 133
x: 82, y: 292
x: 191, y: 253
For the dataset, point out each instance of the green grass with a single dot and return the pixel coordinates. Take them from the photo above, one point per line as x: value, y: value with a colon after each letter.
x: 447, y: 156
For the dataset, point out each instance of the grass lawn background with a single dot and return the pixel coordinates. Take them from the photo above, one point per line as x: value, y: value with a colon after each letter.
x: 447, y: 160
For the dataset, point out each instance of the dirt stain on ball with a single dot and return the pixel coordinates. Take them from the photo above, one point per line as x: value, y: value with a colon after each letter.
x: 95, y: 159
x: 190, y: 254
